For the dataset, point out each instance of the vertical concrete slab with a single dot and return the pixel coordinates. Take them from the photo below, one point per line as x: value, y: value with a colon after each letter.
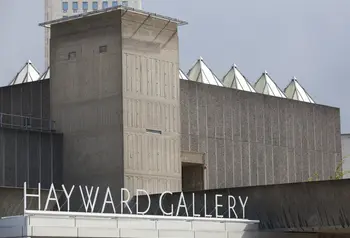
x: 238, y: 169
x: 229, y: 160
x: 246, y: 164
x: 221, y: 163
x: 253, y: 163
x: 261, y: 164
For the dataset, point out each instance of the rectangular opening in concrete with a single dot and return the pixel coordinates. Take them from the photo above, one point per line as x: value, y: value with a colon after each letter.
x: 192, y: 177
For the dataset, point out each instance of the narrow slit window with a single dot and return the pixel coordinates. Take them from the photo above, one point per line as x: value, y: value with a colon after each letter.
x: 103, y: 49
x: 72, y: 55
x: 154, y: 131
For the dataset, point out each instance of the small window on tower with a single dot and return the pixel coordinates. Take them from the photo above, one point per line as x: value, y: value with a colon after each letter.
x: 105, y: 4
x: 72, y: 55
x: 103, y: 49
x: 85, y: 6
x: 64, y: 6
x: 95, y: 5
x: 75, y: 6
x: 114, y: 3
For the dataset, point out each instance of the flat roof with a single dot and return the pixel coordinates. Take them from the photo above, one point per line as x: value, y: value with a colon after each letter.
x: 110, y: 9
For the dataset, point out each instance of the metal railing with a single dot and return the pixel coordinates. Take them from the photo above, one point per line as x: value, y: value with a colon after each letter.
x: 26, y: 122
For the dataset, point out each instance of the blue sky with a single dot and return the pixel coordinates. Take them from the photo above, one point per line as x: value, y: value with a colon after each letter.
x: 307, y: 39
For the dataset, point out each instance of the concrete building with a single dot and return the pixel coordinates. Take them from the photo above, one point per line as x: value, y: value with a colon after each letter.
x: 127, y: 119
x: 345, y: 141
x: 55, y: 9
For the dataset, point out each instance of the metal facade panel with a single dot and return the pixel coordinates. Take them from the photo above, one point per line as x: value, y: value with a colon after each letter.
x: 26, y: 157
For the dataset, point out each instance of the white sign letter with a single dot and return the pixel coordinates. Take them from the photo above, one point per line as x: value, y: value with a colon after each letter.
x: 205, y: 206
x: 243, y: 205
x: 182, y: 203
x: 89, y: 203
x: 161, y: 204
x: 217, y: 205
x: 68, y: 196
x: 194, y: 206
x: 124, y: 201
x: 110, y: 201
x: 31, y: 195
x: 231, y: 207
x: 137, y: 202
x: 49, y: 198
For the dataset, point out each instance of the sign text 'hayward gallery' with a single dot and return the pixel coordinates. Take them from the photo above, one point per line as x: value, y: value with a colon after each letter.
x: 89, y: 197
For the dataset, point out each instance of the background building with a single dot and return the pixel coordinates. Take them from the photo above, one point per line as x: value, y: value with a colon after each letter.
x: 55, y: 9
x: 345, y: 141
x: 128, y: 120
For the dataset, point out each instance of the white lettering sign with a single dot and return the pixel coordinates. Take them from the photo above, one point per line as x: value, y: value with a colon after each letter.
x: 180, y: 207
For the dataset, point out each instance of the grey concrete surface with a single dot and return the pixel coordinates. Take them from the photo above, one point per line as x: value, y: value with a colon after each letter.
x: 254, y: 139
x: 345, y: 140
x: 86, y: 99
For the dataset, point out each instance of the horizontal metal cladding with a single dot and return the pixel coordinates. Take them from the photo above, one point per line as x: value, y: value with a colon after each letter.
x: 255, y: 139
x: 27, y: 99
x: 32, y: 157
x: 307, y: 206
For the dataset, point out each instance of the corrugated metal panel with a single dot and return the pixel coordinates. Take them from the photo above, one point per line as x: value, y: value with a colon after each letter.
x: 27, y: 156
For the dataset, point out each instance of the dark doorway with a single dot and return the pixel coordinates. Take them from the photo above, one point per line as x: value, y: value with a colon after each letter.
x: 192, y: 177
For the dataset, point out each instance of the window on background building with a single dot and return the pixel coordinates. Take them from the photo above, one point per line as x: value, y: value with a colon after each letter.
x: 85, y: 6
x: 114, y: 3
x: 64, y: 6
x: 104, y: 4
x: 75, y: 6
x: 95, y: 5
x: 125, y: 3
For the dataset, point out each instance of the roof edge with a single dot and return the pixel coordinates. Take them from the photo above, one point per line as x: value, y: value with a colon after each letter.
x: 110, y: 9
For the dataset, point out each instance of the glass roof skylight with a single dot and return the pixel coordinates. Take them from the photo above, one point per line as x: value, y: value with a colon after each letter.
x: 295, y: 91
x: 28, y: 73
x: 182, y: 75
x: 266, y: 85
x: 235, y: 79
x: 46, y: 74
x: 200, y: 72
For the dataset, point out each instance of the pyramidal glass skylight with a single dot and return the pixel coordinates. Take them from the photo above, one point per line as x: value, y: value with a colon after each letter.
x: 235, y: 79
x: 46, y: 74
x: 266, y: 85
x: 182, y: 75
x: 28, y: 73
x: 200, y: 72
x: 295, y: 91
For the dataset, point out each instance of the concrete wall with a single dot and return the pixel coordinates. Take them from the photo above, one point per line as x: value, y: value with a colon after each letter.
x: 30, y: 156
x: 86, y: 99
x: 254, y: 139
x: 345, y: 141
x: 151, y: 104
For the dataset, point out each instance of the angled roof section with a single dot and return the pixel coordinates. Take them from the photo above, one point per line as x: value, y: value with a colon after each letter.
x: 295, y: 91
x: 266, y: 85
x: 28, y: 73
x: 200, y: 72
x: 46, y: 74
x: 235, y: 79
x: 182, y: 75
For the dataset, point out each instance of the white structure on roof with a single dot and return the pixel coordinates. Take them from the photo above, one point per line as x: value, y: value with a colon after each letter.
x: 28, y: 73
x: 46, y: 74
x: 295, y: 91
x: 200, y: 72
x: 182, y: 75
x: 70, y: 224
x: 266, y: 85
x: 235, y: 79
